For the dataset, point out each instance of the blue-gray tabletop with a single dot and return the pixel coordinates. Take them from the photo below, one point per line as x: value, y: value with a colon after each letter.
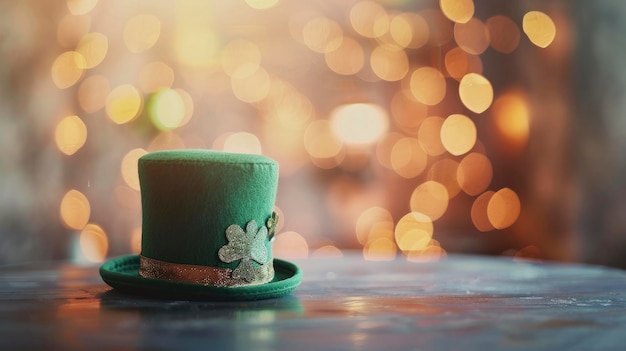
x: 459, y: 303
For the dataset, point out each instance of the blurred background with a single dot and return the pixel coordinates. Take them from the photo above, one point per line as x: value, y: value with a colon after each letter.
x: 403, y: 128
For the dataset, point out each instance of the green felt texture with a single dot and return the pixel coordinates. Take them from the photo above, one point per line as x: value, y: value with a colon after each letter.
x: 122, y: 274
x: 190, y: 197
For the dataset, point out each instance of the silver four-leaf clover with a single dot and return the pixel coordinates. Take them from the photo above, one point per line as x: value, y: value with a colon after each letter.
x: 247, y: 246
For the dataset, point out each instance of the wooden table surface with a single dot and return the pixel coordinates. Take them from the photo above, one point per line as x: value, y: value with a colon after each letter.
x: 460, y: 303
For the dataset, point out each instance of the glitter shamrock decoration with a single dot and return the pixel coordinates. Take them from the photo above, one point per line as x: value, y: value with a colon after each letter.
x: 272, y: 222
x: 246, y: 246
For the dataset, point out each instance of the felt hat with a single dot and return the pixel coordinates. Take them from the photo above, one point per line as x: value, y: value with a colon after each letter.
x: 207, y: 230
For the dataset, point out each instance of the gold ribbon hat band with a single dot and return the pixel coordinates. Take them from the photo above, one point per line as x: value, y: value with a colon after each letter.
x: 196, y: 274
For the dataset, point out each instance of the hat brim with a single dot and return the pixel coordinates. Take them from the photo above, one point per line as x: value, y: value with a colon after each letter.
x: 122, y: 273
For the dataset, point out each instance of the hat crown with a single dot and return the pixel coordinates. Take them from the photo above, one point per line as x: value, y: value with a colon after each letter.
x: 192, y: 199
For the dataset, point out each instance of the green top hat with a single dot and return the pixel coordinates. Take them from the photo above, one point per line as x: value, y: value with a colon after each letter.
x: 208, y: 223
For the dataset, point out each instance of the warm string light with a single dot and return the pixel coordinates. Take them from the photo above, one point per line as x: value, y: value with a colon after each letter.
x: 371, y: 44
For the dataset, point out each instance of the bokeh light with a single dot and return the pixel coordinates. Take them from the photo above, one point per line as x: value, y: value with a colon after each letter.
x: 123, y: 104
x: 361, y: 123
x: 504, y: 208
x: 68, y: 68
x: 94, y: 243
x: 408, y: 159
x: 369, y: 19
x: 539, y: 28
x: 348, y: 58
x: 93, y: 47
x: 476, y: 92
x: 474, y: 173
x: 129, y: 168
x: 409, y: 30
x: 169, y: 110
x: 458, y: 134
x: 512, y: 118
x: 70, y: 134
x: 75, y: 210
x: 374, y: 223
x: 389, y: 64
x: 414, y: 232
x: 479, y: 215
x: 429, y: 135
x: 431, y: 199
x: 459, y: 11
x: 472, y: 37
x: 459, y: 63
x: 428, y: 85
